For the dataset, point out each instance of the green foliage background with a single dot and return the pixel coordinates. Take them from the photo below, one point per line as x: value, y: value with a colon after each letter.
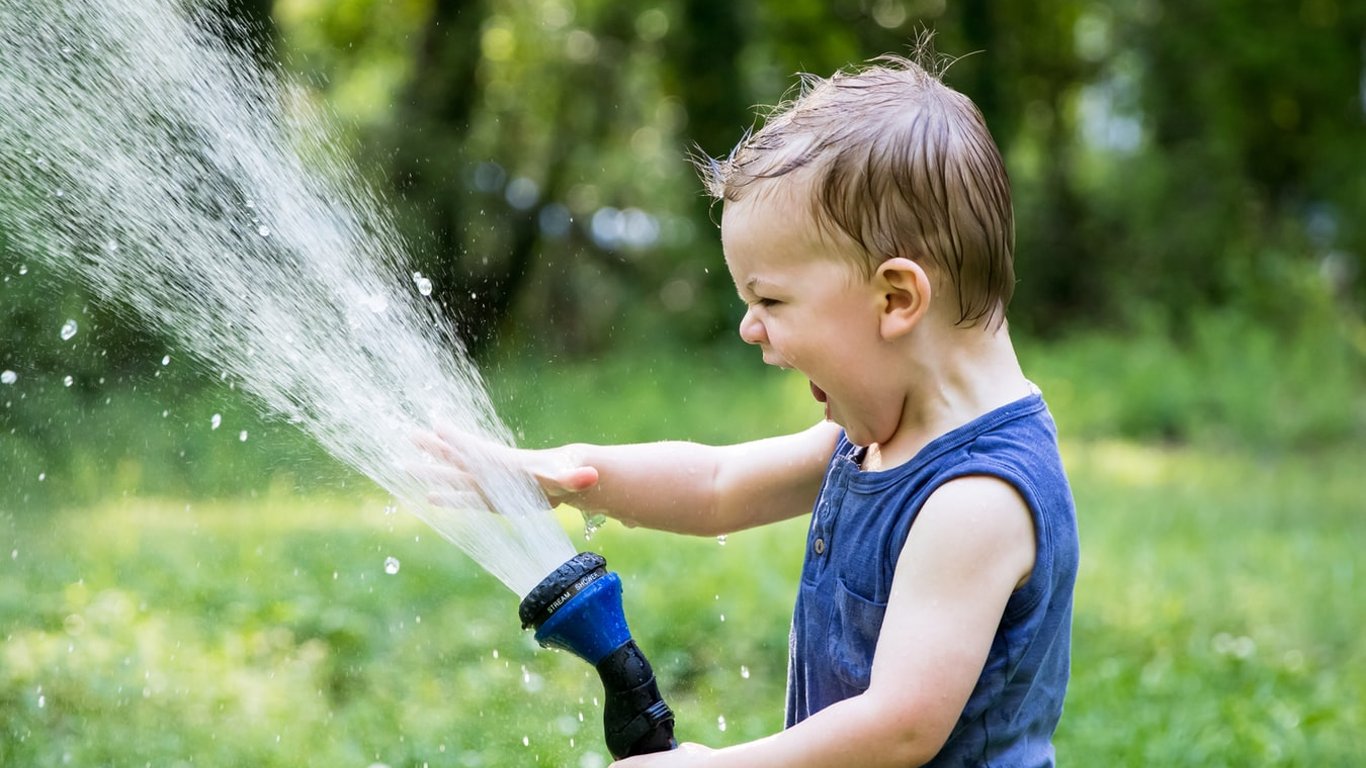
x: 1190, y: 191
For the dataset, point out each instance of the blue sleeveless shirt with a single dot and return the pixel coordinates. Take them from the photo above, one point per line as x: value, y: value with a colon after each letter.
x: 857, y: 532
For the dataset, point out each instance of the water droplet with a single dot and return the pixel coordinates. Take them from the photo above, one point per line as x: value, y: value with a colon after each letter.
x: 69, y: 329
x: 242, y: 436
x: 42, y: 701
x: 592, y: 523
x: 721, y: 722
x: 23, y: 269
x: 42, y: 476
x: 112, y: 246
x: 721, y: 539
x: 166, y: 360
x: 526, y: 741
x: 69, y: 380
x: 391, y: 565
x: 263, y: 231
x: 744, y: 672
x: 723, y: 618
x: 424, y: 286
x: 8, y: 377
x: 216, y: 421
x: 390, y: 509
x: 495, y: 653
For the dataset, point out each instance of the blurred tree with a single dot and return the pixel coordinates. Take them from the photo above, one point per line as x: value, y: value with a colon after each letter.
x: 1248, y: 167
x: 1163, y: 156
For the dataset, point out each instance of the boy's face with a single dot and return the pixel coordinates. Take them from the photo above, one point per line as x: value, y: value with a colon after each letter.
x: 811, y: 309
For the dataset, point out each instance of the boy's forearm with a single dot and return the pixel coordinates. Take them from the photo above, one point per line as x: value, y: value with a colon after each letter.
x: 855, y: 732
x: 667, y: 485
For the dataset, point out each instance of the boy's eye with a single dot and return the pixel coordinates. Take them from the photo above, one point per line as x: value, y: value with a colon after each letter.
x: 767, y: 302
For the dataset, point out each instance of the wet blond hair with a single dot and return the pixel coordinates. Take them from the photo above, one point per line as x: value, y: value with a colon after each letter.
x: 900, y: 163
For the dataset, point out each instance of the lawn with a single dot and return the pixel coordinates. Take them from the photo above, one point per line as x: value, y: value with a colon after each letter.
x: 1218, y: 622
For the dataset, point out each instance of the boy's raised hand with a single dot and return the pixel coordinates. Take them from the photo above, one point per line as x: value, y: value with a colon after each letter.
x: 457, y: 453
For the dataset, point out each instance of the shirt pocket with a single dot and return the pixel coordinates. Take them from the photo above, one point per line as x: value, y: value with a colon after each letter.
x: 854, y: 626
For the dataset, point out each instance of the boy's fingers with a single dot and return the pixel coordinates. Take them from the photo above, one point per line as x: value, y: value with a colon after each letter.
x: 438, y: 447
x: 464, y: 444
x: 457, y: 437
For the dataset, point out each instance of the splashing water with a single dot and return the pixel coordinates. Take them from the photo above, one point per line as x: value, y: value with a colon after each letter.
x: 168, y: 173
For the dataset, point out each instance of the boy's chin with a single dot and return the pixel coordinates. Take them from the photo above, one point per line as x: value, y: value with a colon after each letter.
x: 859, y: 435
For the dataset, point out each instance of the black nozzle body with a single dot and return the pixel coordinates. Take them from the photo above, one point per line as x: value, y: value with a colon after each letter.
x: 635, y: 719
x: 578, y: 608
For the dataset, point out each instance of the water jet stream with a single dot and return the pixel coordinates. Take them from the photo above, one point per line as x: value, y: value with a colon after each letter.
x: 143, y: 157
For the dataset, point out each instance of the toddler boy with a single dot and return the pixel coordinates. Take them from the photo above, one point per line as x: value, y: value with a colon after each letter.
x: 868, y: 229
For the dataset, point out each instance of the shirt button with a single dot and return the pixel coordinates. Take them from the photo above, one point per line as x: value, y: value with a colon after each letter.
x: 820, y: 546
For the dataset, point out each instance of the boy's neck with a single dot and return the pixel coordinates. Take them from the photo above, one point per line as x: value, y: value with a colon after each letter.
x: 952, y: 377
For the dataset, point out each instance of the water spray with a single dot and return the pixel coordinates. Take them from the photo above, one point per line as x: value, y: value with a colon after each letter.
x: 577, y: 608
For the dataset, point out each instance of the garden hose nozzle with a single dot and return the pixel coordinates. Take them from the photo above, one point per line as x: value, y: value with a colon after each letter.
x: 577, y: 608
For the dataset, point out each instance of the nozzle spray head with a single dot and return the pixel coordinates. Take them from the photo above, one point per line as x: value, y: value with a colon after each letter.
x: 577, y: 608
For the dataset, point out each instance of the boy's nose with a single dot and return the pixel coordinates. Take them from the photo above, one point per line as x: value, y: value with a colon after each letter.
x: 752, y: 330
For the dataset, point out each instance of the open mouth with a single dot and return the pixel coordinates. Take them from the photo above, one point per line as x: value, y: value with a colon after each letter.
x: 818, y: 393
x: 821, y: 397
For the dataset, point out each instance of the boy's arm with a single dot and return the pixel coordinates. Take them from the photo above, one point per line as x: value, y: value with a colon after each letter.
x: 674, y: 486
x: 702, y: 489
x: 971, y: 546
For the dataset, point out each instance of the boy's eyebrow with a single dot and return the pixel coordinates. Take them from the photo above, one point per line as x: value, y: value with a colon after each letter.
x: 752, y: 284
x: 750, y: 288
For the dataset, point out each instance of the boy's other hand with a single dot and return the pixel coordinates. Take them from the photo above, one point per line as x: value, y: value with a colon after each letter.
x: 686, y: 754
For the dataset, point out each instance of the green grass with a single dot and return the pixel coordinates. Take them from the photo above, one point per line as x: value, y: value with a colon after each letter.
x: 1219, y: 615
x: 1218, y: 622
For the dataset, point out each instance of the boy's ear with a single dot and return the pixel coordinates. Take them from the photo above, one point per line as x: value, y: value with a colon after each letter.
x: 906, y: 294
